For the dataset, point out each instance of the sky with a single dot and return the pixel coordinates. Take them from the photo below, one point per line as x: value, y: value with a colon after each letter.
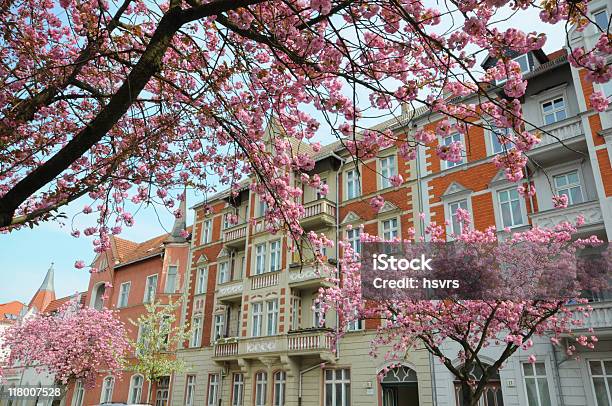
x: 25, y: 255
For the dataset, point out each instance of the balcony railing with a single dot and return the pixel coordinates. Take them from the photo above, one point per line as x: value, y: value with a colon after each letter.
x: 235, y: 233
x: 316, y: 340
x: 226, y: 349
x: 321, y: 206
x: 562, y: 130
x: 264, y: 280
x: 308, y: 273
x: 600, y: 317
x: 591, y: 211
x: 230, y: 289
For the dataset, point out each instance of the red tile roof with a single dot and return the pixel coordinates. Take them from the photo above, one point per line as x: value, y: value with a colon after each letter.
x: 58, y: 303
x: 557, y: 54
x: 130, y: 251
x: 11, y: 310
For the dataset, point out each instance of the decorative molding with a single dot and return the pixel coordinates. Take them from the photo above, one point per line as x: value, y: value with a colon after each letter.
x: 351, y: 217
x: 499, y: 178
x: 454, y: 189
x: 202, y: 259
x: 223, y: 253
x: 261, y: 346
x: 388, y: 207
x: 233, y: 289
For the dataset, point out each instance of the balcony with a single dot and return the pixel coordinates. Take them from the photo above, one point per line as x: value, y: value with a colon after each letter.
x: 591, y: 211
x: 264, y: 280
x: 235, y: 236
x: 309, y: 275
x: 230, y: 291
x: 556, y: 142
x: 297, y: 343
x: 319, y: 213
x: 600, y: 318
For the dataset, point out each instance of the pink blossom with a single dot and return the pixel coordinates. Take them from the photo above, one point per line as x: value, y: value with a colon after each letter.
x: 377, y: 202
x: 560, y: 202
x: 599, y: 101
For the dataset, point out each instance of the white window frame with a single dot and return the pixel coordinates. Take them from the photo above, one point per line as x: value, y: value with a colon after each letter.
x: 352, y: 178
x: 596, y: 13
x: 535, y: 377
x: 174, y: 281
x: 162, y: 392
x: 261, y: 388
x: 272, y: 317
x: 498, y: 208
x: 391, y: 230
x: 201, y: 280
x: 451, y: 213
x: 206, y: 236
x: 213, y: 389
x: 448, y: 164
x: 238, y: 389
x: 318, y: 315
x: 223, y: 272
x: 123, y: 291
x: 190, y: 390
x: 196, y: 331
x: 106, y: 394
x: 355, y: 324
x: 569, y: 186
x: 257, y: 319
x: 147, y: 295
x: 275, y: 255
x: 554, y: 111
x: 135, y: 392
x: 387, y: 169
x: 344, y: 381
x: 78, y: 395
x: 296, y: 304
x: 526, y: 57
x: 260, y: 258
x: 319, y: 196
x: 353, y: 236
x: 605, y: 376
x: 218, y: 326
x: 280, y: 380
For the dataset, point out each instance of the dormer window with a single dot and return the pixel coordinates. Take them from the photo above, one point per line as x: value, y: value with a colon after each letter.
x: 523, y: 61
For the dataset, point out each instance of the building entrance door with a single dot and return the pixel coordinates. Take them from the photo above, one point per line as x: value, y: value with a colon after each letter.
x: 400, y: 387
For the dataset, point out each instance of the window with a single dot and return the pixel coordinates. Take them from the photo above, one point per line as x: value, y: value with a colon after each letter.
x: 499, y: 140
x: 136, y: 389
x: 171, y: 279
x: 337, y: 387
x: 238, y: 390
x: 510, y: 208
x: 272, y: 317
x: 447, y: 141
x: 319, y: 195
x: 387, y: 170
x: 107, y: 390
x: 279, y: 388
x: 354, y: 238
x: 219, y: 326
x: 206, y: 236
x: 257, y: 319
x: 601, y: 375
x: 261, y: 208
x: 601, y: 20
x: 261, y: 383
x: 196, y: 327
x: 536, y: 384
x: 389, y: 229
x: 162, y: 394
x: 150, y: 289
x: 355, y: 325
x: 143, y: 337
x: 260, y: 259
x: 124, y: 294
x: 275, y: 256
x: 554, y: 110
x: 607, y: 89
x: 223, y: 273
x: 568, y: 184
x: 213, y: 389
x: 353, y: 187
x: 296, y: 303
x: 523, y: 61
x: 456, y: 225
x: 190, y: 390
x: 79, y: 394
x: 201, y: 280
x: 318, y: 316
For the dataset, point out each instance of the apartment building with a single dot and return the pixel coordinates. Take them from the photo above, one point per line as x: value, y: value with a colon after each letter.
x: 257, y: 340
x: 129, y: 276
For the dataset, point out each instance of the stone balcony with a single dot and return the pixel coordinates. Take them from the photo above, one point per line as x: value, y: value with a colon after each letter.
x: 591, y: 211
x: 599, y: 319
x: 319, y: 213
x: 309, y: 275
x: 230, y: 291
x: 559, y: 141
x: 265, y: 280
x: 235, y: 236
x: 293, y: 344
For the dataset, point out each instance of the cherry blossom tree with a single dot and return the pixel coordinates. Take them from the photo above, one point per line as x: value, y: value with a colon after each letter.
x: 74, y: 344
x: 129, y: 100
x: 456, y: 331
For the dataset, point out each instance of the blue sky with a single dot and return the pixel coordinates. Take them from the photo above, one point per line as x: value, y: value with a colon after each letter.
x: 25, y: 255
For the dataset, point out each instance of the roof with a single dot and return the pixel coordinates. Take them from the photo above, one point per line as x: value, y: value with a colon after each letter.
x: 133, y: 251
x: 10, y: 311
x: 56, y: 304
x: 46, y: 293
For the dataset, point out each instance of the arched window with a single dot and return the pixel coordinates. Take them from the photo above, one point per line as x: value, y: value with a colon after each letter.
x: 261, y: 384
x: 97, y: 300
x: 492, y: 395
x: 79, y: 394
x: 136, y: 389
x: 279, y: 388
x: 107, y: 390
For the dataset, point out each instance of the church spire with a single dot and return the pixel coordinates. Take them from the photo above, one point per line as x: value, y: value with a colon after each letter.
x: 180, y: 223
x: 46, y: 292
